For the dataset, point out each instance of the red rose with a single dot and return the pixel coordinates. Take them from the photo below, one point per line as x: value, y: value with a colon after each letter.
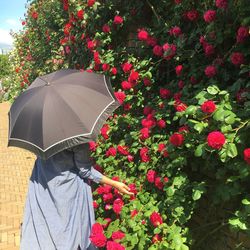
x: 176, y: 139
x: 107, y: 198
x: 95, y: 204
x: 122, y: 150
x: 133, y: 76
x: 181, y: 84
x: 183, y: 129
x: 67, y: 28
x: 210, y: 71
x: 118, y: 235
x: 175, y: 31
x: 92, y: 146
x: 158, y: 183
x: 120, y: 96
x: 209, y: 16
x: 111, y: 152
x: 114, y: 71
x: 242, y: 34
x: 192, y: 15
x: 155, y: 219
x: 142, y: 35
x: 98, y: 240
x: 80, y: 14
x: 216, y: 139
x: 247, y: 155
x: 152, y: 41
x: 144, y: 133
x: 222, y: 4
x: 161, y: 123
x: 158, y: 50
x: 156, y: 238
x: 106, y: 28
x: 104, y: 131
x: 151, y: 175
x: 146, y: 82
x: 161, y: 146
x: 180, y: 106
x: 126, y: 67
x: 208, y: 107
x: 169, y: 51
x: 105, y: 67
x: 91, y: 3
x: 144, y: 154
x: 91, y: 44
x: 96, y: 228
x: 126, y: 85
x: 209, y: 49
x: 118, y: 20
x: 237, y: 58
x: 165, y: 93
x: 117, y: 205
x: 34, y: 15
x: 178, y: 70
x: 130, y: 158
x: 133, y: 213
x: 112, y: 245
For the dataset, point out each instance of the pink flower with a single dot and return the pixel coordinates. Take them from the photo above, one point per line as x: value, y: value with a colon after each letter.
x: 130, y: 158
x: 118, y: 20
x: 114, y: 71
x: 126, y: 85
x: 216, y: 140
x: 209, y: 16
x: 144, y: 133
x: 192, y: 15
x: 178, y: 70
x: 126, y: 67
x: 209, y: 49
x: 161, y: 123
x: 237, y: 58
x: 165, y: 93
x: 222, y: 4
x: 158, y: 50
x: 111, y: 152
x: 242, y: 34
x: 122, y: 150
x: 155, y: 219
x: 98, y: 240
x: 158, y: 183
x: 106, y: 28
x: 210, y: 71
x: 92, y: 146
x: 246, y: 153
x: 144, y: 154
x: 112, y: 245
x: 117, y: 205
x: 176, y: 139
x: 151, y: 175
x: 175, y: 31
x: 208, y: 107
x: 169, y: 51
x: 105, y: 67
x: 118, y: 235
x: 142, y: 35
x: 120, y: 96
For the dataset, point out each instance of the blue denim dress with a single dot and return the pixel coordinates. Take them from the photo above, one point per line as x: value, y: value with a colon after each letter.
x: 59, y: 213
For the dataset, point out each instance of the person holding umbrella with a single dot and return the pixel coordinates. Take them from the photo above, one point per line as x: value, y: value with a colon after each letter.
x: 55, y: 118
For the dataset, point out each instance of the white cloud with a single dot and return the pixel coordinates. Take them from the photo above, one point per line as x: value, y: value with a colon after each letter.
x: 12, y: 22
x: 5, y: 37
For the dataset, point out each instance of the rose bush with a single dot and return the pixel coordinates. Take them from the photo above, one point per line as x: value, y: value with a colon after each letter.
x: 181, y: 136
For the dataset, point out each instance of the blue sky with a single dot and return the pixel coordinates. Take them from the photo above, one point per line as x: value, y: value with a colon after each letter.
x: 11, y: 12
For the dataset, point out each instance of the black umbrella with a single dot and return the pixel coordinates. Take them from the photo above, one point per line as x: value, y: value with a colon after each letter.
x: 60, y: 110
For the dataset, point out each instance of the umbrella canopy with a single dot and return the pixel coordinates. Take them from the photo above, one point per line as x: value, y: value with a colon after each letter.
x: 60, y: 110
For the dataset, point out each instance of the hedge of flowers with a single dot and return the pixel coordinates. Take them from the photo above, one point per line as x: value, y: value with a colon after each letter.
x: 180, y: 70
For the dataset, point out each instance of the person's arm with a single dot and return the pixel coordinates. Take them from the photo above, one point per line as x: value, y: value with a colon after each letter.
x: 86, y: 170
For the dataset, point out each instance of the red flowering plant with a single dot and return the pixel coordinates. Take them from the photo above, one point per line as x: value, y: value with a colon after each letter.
x: 181, y: 136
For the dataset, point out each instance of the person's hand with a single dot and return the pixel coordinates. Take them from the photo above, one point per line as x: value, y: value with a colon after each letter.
x: 122, y: 188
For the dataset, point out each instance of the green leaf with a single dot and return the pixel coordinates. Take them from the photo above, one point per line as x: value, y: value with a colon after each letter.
x: 231, y: 150
x: 199, y: 127
x: 213, y: 90
x: 191, y: 110
x: 157, y: 230
x: 199, y: 150
x: 245, y: 202
x: 237, y: 223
